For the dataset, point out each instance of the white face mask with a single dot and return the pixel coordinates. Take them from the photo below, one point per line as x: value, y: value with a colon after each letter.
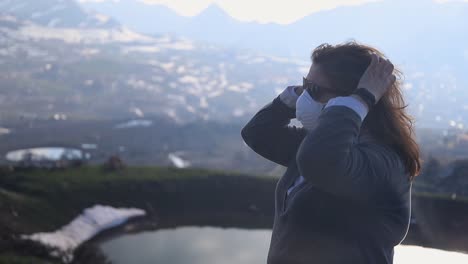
x: 308, y: 110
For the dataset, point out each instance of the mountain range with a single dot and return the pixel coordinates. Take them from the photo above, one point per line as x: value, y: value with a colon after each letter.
x: 55, y: 13
x: 404, y: 29
x: 108, y: 73
x: 58, y: 59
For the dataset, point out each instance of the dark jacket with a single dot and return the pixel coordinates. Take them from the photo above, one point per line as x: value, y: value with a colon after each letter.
x: 354, y: 205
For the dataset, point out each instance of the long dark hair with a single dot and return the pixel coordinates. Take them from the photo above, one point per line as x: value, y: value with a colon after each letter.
x: 343, y: 65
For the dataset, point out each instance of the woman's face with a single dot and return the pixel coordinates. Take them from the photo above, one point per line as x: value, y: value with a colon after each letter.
x: 316, y: 76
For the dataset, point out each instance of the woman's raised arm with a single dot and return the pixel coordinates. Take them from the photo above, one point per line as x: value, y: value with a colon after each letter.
x: 268, y: 133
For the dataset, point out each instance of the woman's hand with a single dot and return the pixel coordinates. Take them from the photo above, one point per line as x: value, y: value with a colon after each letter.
x: 378, y: 77
x: 298, y: 89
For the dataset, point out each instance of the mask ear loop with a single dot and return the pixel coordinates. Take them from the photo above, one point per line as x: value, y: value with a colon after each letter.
x: 312, y: 98
x: 310, y: 91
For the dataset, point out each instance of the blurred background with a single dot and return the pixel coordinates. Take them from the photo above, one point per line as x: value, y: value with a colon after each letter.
x: 139, y: 104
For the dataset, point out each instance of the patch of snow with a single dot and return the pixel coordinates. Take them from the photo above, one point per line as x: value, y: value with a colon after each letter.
x: 189, y: 79
x: 172, y: 114
x: 58, y: 116
x: 4, y: 131
x: 241, y: 88
x: 89, y: 52
x: 136, y: 83
x: 222, y: 77
x: 92, y: 221
x: 215, y: 93
x: 135, y: 123
x: 238, y: 112
x: 142, y: 85
x: 88, y: 146
x: 190, y: 108
x: 144, y: 49
x: 137, y: 111
x: 167, y: 66
x: 181, y: 69
x: 246, y: 85
x: 76, y: 36
x: 178, y: 161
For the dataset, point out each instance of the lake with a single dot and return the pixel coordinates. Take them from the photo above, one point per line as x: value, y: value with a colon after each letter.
x: 213, y: 245
x: 44, y: 153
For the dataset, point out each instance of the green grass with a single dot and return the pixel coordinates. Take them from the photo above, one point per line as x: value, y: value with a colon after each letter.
x: 11, y: 258
x: 44, y: 200
x: 41, y: 200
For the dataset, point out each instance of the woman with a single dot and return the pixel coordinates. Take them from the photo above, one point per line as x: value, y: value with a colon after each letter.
x: 345, y: 196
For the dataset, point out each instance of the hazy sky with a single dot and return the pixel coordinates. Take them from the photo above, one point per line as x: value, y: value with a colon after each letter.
x: 279, y: 11
x: 259, y: 10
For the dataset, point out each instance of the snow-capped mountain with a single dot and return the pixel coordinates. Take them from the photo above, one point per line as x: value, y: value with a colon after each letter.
x: 108, y: 73
x: 402, y: 28
x: 99, y: 72
x: 425, y: 38
x: 55, y: 13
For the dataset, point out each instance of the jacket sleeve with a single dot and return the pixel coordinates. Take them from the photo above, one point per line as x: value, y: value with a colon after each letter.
x: 269, y: 135
x: 331, y: 159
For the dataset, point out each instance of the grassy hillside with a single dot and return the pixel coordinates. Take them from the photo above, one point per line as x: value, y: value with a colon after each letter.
x: 40, y: 200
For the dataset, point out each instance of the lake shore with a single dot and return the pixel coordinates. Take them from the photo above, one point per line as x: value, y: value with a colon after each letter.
x: 42, y: 201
